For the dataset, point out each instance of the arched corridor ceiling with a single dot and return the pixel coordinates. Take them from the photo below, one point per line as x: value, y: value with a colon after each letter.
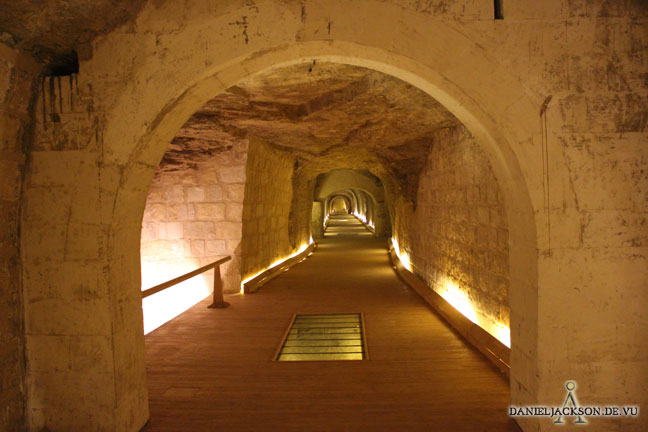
x: 328, y: 115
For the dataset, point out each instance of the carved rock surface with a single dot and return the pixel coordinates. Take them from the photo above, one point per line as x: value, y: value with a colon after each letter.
x: 53, y: 29
x: 327, y: 115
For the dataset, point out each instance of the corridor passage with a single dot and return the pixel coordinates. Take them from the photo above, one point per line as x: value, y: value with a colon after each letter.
x: 213, y: 370
x: 345, y: 224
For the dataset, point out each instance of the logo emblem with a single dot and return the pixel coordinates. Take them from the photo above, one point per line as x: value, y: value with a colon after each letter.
x: 570, y: 398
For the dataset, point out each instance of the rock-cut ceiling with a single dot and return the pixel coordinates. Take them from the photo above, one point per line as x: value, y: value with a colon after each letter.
x: 327, y: 115
x: 53, y: 31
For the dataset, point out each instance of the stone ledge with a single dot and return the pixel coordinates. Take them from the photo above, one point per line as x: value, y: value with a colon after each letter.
x: 498, y: 353
x: 262, y: 278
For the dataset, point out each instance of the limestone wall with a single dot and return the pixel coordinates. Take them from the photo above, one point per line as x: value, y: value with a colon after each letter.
x: 458, y: 235
x: 77, y: 323
x: 193, y: 217
x: 300, y: 231
x: 574, y: 185
x: 17, y: 77
x: 267, y: 208
x: 592, y: 200
x: 317, y: 220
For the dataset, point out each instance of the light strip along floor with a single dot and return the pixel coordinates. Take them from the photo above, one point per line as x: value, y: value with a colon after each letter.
x: 324, y: 337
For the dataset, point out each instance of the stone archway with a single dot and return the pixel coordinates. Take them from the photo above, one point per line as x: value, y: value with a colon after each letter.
x: 364, y: 182
x: 143, y: 112
x: 520, y: 220
x: 340, y: 202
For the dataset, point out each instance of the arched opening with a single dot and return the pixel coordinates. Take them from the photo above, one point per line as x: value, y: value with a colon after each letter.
x: 92, y: 143
x: 264, y: 135
x: 366, y: 194
x: 391, y: 211
x: 150, y: 125
x: 340, y: 204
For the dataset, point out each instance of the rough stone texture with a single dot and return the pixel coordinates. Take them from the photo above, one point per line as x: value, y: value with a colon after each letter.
x: 52, y: 30
x: 79, y: 326
x: 327, y: 117
x: 574, y: 191
x: 193, y: 217
x: 266, y: 210
x: 301, y: 207
x: 458, y: 233
x: 17, y: 84
x: 326, y: 114
x: 592, y: 217
x: 317, y: 220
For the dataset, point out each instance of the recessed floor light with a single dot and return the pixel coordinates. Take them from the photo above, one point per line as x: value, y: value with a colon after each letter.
x: 318, y: 337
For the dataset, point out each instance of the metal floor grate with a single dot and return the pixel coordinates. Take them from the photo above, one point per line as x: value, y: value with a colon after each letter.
x: 319, y: 337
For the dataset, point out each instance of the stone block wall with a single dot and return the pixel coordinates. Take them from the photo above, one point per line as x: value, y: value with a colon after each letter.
x: 80, y: 325
x: 317, y: 220
x: 591, y: 214
x: 193, y: 217
x: 460, y: 243
x: 267, y: 208
x: 300, y: 231
x: 17, y: 77
x: 586, y: 245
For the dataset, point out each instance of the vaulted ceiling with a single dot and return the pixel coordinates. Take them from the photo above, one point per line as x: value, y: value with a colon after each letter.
x: 327, y: 115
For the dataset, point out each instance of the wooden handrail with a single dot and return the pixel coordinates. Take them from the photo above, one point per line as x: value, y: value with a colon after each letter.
x: 218, y: 283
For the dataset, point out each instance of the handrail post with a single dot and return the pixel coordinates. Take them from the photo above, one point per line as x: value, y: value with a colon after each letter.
x: 218, y: 301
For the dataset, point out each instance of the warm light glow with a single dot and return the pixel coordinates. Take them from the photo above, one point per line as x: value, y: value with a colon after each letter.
x: 402, y: 255
x: 301, y: 249
x: 360, y: 216
x: 459, y: 300
x: 503, y: 334
x: 166, y: 305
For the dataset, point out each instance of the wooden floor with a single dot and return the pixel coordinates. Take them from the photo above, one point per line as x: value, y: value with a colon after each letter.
x: 213, y: 369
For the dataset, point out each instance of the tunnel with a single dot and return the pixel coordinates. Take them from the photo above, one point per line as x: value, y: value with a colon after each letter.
x: 345, y: 158
x: 322, y: 215
x: 259, y: 169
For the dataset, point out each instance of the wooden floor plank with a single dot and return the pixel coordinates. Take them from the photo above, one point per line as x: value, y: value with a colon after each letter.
x: 213, y: 369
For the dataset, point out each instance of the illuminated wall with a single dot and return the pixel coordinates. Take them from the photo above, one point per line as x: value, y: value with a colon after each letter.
x: 459, y: 245
x: 273, y: 226
x: 192, y: 218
